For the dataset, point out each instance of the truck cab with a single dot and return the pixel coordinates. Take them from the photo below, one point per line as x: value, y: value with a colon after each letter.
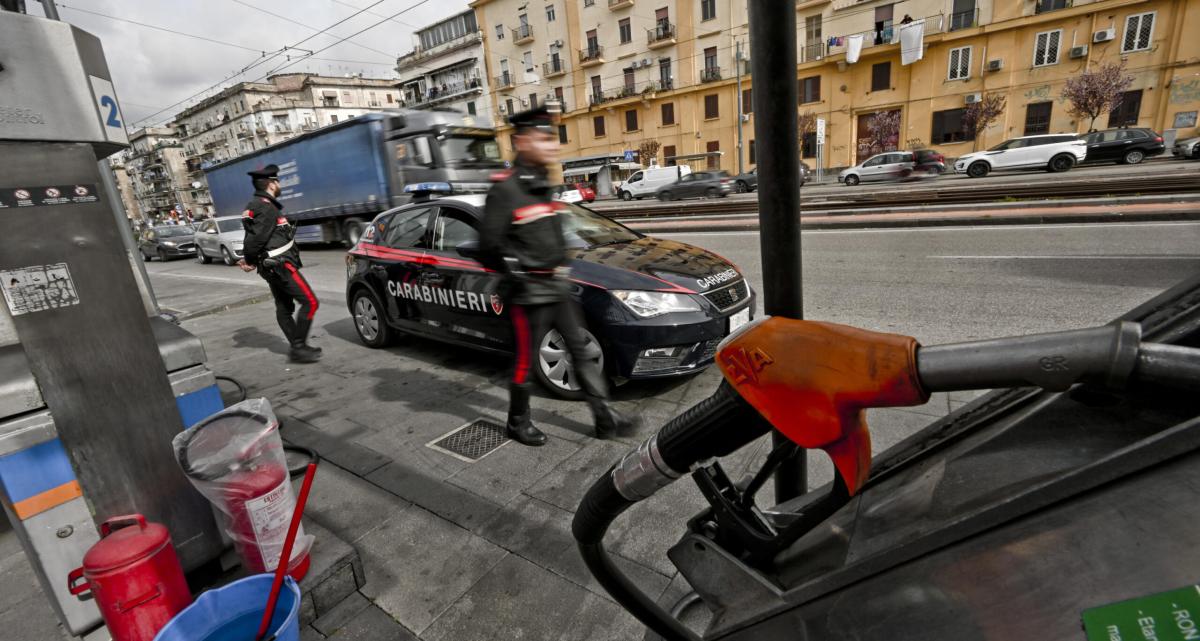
x: 440, y: 146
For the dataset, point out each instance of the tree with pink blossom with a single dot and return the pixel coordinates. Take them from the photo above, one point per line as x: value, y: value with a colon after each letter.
x: 1096, y: 92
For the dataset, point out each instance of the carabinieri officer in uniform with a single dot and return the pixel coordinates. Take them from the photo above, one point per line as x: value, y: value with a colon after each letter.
x: 522, y: 238
x: 270, y: 247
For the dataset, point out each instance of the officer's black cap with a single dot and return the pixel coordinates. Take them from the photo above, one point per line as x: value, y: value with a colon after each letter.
x: 539, y: 118
x: 270, y: 171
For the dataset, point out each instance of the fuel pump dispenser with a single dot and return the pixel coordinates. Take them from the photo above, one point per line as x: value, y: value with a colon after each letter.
x: 93, y: 385
x: 1071, y: 488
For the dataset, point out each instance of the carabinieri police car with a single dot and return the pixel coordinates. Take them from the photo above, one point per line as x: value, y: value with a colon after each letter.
x: 655, y: 307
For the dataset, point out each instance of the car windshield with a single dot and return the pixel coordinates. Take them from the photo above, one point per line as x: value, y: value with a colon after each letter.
x: 471, y: 151
x: 585, y: 229
x: 174, y: 230
x: 231, y: 224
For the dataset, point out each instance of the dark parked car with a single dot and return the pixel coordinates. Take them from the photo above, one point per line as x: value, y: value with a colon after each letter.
x: 653, y: 307
x: 1123, y: 146
x: 167, y: 241
x: 698, y: 184
x: 748, y: 181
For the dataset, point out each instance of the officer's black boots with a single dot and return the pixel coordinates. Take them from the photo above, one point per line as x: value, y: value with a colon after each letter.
x: 520, y: 428
x: 302, y: 353
x: 609, y: 422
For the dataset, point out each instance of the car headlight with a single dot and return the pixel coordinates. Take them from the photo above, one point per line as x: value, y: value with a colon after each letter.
x: 168, y: 243
x: 650, y: 304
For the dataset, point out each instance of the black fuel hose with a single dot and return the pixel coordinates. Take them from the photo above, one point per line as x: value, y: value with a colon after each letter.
x: 1172, y: 365
x: 717, y: 426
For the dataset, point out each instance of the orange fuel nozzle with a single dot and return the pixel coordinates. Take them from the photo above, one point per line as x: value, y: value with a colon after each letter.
x: 812, y: 381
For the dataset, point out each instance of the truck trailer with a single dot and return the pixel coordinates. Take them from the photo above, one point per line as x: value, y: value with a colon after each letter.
x: 337, y: 178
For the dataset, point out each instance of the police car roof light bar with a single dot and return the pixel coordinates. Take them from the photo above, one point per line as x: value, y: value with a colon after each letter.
x: 424, y: 191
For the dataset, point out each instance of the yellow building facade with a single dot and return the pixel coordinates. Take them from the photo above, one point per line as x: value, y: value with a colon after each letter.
x: 628, y: 71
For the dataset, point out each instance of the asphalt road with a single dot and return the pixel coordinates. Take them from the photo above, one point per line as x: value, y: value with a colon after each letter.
x: 938, y: 284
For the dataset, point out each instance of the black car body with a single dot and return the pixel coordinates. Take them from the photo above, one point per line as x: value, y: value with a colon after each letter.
x: 698, y: 184
x: 1123, y: 146
x: 748, y: 181
x: 413, y: 272
x: 167, y: 241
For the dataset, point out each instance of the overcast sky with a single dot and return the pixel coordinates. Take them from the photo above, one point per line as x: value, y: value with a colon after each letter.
x: 153, y: 69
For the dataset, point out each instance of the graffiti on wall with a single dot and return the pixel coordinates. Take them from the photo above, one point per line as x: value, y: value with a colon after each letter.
x: 1185, y: 92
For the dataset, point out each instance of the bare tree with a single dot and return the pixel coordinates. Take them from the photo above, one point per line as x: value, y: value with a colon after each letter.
x: 980, y: 115
x: 807, y: 122
x: 883, y: 133
x: 1096, y: 92
x: 648, y: 152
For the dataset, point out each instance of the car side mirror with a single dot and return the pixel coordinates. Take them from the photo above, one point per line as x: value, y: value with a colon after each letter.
x: 469, y: 249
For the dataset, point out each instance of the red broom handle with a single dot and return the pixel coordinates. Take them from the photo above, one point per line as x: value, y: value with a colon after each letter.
x: 286, y: 556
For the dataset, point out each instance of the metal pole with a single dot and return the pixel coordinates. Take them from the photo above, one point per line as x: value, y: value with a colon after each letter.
x: 741, y: 107
x: 776, y: 134
x: 50, y: 9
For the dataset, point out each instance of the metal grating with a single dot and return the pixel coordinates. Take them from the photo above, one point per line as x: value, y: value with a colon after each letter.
x: 472, y: 441
x: 709, y: 350
x: 729, y: 296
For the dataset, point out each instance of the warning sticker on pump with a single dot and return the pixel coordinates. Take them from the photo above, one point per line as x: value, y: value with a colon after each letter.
x: 47, y: 196
x: 38, y: 288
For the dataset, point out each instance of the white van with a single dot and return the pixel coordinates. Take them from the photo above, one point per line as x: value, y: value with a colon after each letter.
x: 643, y: 184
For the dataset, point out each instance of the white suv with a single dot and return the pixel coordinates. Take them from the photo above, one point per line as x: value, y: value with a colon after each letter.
x: 1055, y: 152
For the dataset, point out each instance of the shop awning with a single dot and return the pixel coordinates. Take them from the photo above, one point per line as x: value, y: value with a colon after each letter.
x: 581, y: 171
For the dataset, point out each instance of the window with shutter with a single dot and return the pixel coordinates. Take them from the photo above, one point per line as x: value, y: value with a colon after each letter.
x: 714, y: 159
x: 948, y: 127
x: 810, y: 89
x: 959, y: 67
x: 1046, y: 48
x: 753, y: 156
x: 668, y: 113
x: 1138, y: 30
x: 1127, y: 112
x: 598, y: 126
x: 631, y: 120
x: 747, y: 101
x: 711, y: 107
x: 881, y: 76
x: 669, y: 155
x: 1037, y: 118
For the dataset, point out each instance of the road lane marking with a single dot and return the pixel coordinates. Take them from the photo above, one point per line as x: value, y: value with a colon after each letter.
x: 894, y: 230
x: 1070, y: 257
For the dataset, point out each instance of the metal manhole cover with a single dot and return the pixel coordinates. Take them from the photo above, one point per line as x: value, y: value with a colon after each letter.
x: 472, y: 441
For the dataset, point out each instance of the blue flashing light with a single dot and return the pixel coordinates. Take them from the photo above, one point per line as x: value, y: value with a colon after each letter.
x: 430, y: 187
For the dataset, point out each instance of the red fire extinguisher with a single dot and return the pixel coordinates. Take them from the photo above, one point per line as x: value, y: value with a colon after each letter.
x: 235, y: 458
x: 135, y: 577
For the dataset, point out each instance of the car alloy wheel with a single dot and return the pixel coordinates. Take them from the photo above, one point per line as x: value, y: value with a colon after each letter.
x: 227, y: 256
x: 1061, y: 163
x: 665, y: 196
x: 626, y: 196
x: 742, y: 187
x: 851, y: 180
x: 1134, y: 157
x: 368, y: 322
x: 555, y: 368
x: 978, y: 170
x: 202, y: 257
x: 712, y: 192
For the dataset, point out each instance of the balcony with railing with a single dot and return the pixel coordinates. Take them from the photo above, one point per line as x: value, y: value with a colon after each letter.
x: 710, y: 74
x: 553, y: 99
x: 413, y: 58
x: 963, y: 20
x: 447, y: 92
x: 814, y: 51
x: 554, y: 68
x: 662, y: 35
x: 591, y: 56
x: 619, y: 4
x: 639, y: 90
x: 505, y: 81
x: 522, y: 34
x: 933, y: 25
x: 1043, y: 6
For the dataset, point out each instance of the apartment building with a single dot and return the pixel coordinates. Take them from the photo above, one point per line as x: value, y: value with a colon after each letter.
x: 157, y: 171
x: 251, y: 115
x: 445, y: 70
x: 117, y: 162
x: 628, y: 71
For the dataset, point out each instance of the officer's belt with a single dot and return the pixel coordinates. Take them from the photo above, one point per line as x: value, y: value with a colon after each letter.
x: 279, y: 251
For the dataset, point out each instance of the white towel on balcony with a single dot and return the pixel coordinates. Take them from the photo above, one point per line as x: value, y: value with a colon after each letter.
x: 853, y: 47
x: 912, y: 42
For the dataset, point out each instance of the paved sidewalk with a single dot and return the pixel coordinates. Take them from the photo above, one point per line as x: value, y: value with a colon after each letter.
x: 464, y: 551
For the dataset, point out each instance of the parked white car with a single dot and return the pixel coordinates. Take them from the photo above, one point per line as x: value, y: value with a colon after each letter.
x: 1053, y: 152
x: 645, y: 183
x: 220, y: 238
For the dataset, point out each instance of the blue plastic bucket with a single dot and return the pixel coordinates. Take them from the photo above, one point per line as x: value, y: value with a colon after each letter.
x: 233, y: 613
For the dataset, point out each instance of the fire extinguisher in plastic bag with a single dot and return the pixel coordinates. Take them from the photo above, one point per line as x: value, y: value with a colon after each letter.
x: 235, y: 458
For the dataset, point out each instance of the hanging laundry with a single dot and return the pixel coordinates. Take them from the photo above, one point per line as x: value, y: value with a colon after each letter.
x: 912, y: 42
x: 853, y: 48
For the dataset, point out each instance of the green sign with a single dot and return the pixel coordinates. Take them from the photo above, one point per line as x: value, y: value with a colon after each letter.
x: 1168, y: 616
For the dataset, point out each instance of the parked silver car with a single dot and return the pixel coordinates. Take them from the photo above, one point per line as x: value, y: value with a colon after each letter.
x: 892, y: 165
x: 220, y: 238
x: 1187, y: 148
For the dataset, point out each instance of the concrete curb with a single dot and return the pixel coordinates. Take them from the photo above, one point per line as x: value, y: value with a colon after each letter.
x: 217, y: 309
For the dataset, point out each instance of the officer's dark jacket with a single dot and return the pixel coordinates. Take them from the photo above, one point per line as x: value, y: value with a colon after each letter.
x: 267, y: 229
x: 520, y: 221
